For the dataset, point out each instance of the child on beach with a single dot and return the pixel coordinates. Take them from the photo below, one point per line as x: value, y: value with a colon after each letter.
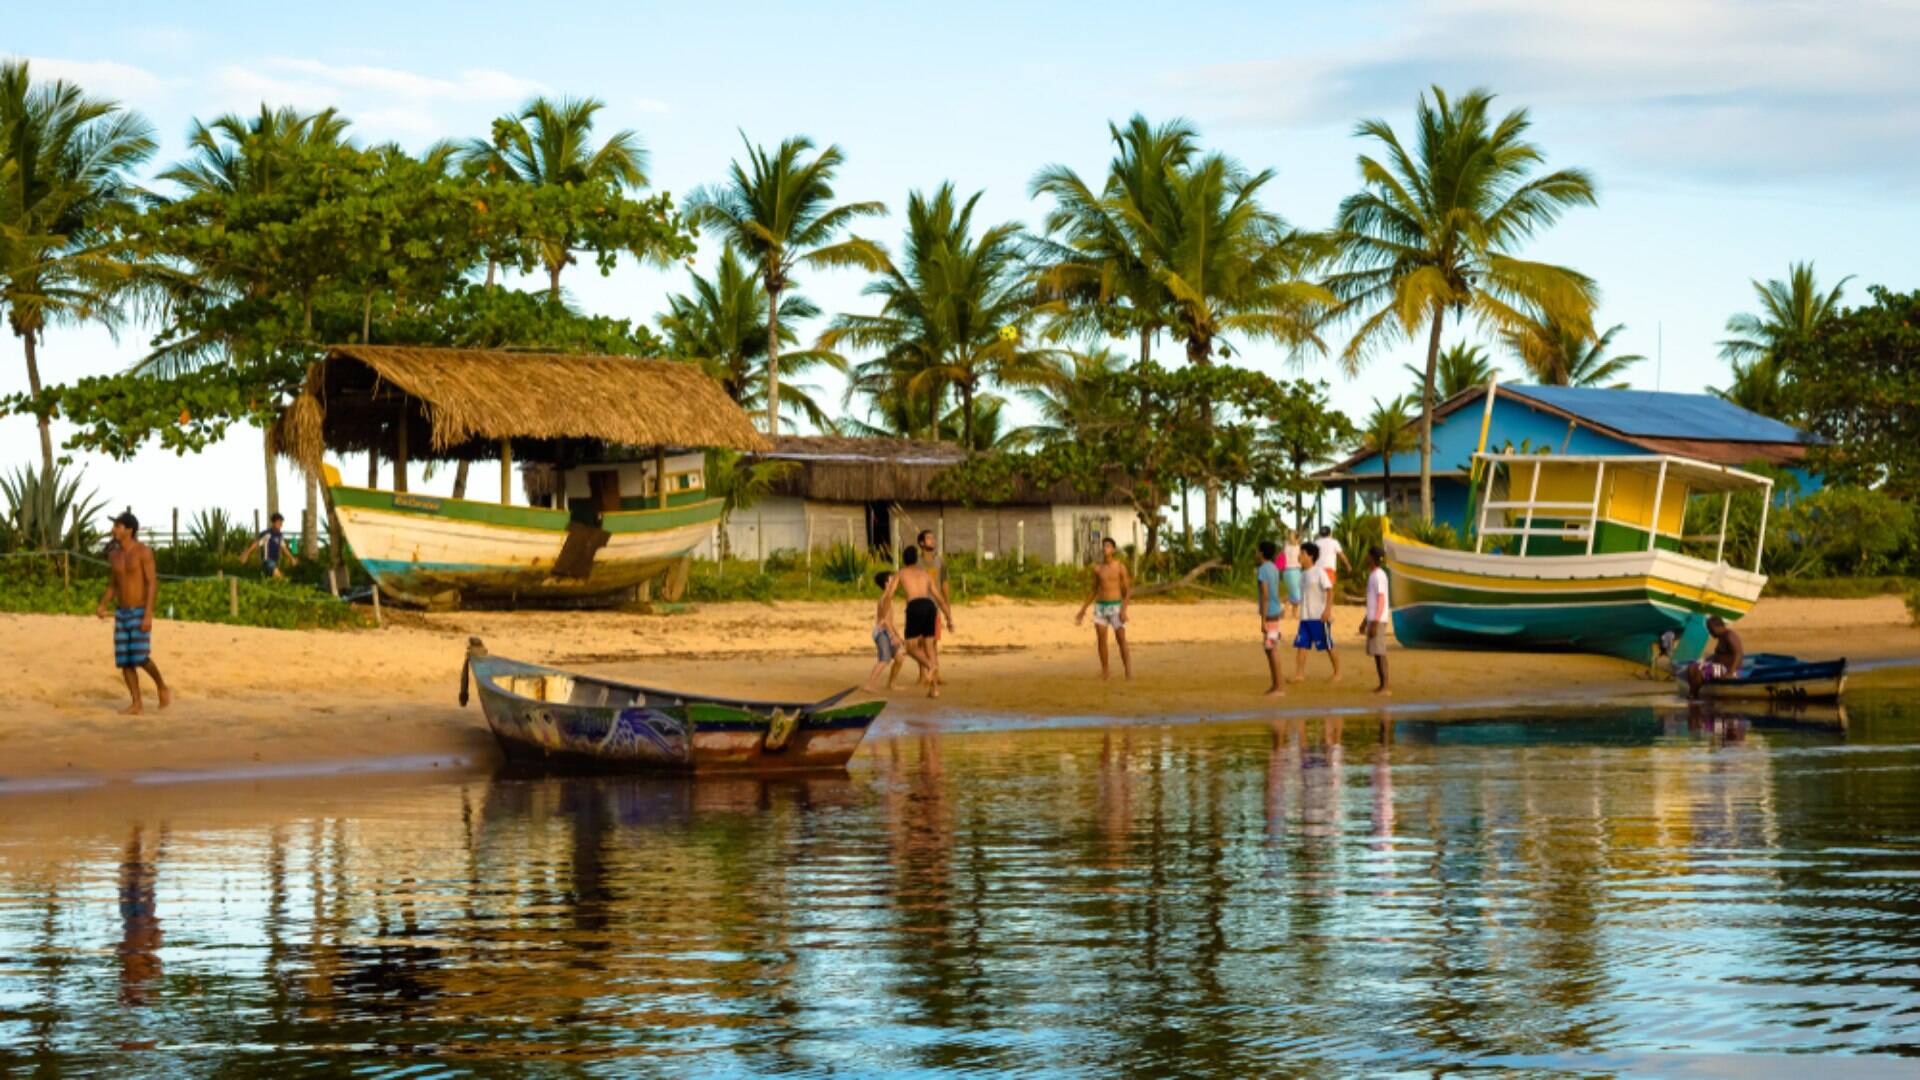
x: 131, y: 591
x: 272, y: 545
x: 1373, y: 620
x: 1316, y: 600
x: 1267, y: 592
x: 887, y: 645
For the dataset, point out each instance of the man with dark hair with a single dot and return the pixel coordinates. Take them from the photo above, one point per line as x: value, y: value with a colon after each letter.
x: 272, y: 543
x: 925, y: 605
x: 131, y: 590
x: 1272, y: 600
x: 935, y: 564
x: 1316, y: 605
x: 1728, y: 654
x: 1112, y: 591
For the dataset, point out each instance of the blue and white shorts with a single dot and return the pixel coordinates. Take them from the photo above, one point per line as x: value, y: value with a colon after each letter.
x: 131, y: 645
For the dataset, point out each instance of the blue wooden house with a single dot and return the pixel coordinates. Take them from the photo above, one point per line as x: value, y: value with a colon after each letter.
x: 1569, y: 420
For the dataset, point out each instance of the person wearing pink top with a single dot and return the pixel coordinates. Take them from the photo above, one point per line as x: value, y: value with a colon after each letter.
x: 1373, y: 622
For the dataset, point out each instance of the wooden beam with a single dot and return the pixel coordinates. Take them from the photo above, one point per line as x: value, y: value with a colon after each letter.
x: 660, y: 473
x: 506, y: 472
x: 400, y: 456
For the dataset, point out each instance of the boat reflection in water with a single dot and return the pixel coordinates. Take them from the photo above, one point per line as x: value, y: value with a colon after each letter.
x: 1652, y: 891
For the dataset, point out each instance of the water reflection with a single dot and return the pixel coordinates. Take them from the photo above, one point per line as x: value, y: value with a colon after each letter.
x: 1646, y: 891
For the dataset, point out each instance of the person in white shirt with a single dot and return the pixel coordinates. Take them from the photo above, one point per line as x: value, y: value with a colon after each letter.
x: 1316, y: 600
x: 1373, y: 620
x: 1331, y: 554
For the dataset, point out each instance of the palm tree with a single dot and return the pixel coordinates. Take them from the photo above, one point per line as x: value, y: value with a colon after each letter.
x: 249, y: 156
x: 778, y: 212
x: 1557, y: 354
x: 1462, y: 367
x: 723, y: 324
x: 1788, y: 309
x: 548, y: 143
x: 1093, y: 267
x: 1388, y: 431
x: 1434, y: 229
x: 1079, y: 398
x: 64, y: 162
x: 952, y: 309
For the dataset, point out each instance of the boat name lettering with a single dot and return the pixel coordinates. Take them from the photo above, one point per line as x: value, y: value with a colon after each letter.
x: 415, y: 502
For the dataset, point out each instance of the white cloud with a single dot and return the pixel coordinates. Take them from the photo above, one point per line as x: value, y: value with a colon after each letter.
x: 382, y: 102
x: 1759, y: 89
x: 101, y: 78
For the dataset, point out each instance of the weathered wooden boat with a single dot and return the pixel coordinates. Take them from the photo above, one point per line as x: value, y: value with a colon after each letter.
x: 617, y: 445
x: 1590, y: 559
x: 562, y: 719
x: 1777, y: 677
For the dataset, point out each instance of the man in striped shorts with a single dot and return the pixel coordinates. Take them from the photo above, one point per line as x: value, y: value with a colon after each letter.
x: 131, y: 592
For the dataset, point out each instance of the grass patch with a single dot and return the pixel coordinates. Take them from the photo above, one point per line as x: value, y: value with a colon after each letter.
x: 1841, y: 588
x: 36, y: 588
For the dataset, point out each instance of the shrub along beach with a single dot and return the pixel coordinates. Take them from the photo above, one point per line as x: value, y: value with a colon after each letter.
x: 1090, y: 354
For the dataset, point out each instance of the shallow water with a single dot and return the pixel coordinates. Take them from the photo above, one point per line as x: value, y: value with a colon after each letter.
x: 1633, y: 893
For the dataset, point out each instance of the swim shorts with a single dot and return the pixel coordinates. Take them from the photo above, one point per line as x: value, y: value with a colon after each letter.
x: 1709, y: 671
x: 883, y: 646
x: 1313, y: 635
x: 1270, y: 634
x: 923, y: 617
x: 131, y: 645
x: 1107, y: 613
x: 1377, y: 640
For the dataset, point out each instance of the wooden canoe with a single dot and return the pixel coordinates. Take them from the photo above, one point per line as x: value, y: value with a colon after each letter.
x: 546, y: 716
x: 1774, y: 677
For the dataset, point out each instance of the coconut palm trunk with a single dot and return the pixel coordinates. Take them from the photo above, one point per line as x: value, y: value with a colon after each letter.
x: 966, y: 416
x: 1426, y: 416
x: 1200, y: 352
x: 310, y: 521
x: 273, y: 472
x: 460, y: 479
x: 33, y: 386
x: 773, y: 357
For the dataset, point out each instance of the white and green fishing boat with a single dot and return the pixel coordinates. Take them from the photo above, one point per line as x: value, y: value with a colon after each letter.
x: 617, y: 444
x: 1583, y: 553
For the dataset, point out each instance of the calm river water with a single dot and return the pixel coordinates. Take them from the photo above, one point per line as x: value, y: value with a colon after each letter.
x: 1627, y: 893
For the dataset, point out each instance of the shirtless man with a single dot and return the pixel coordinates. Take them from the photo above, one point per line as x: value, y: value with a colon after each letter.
x: 131, y: 594
x: 1112, y: 591
x: 1728, y: 652
x: 935, y: 564
x: 926, y: 604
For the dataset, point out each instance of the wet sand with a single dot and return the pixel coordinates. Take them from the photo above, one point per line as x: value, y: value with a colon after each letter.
x: 275, y: 701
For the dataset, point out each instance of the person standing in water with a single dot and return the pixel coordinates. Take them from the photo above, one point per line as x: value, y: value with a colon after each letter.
x: 925, y: 606
x: 131, y: 592
x: 1272, y: 607
x: 1112, y: 591
x: 1373, y: 620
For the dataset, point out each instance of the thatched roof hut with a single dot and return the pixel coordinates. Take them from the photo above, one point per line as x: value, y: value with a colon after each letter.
x: 458, y: 404
x: 835, y: 468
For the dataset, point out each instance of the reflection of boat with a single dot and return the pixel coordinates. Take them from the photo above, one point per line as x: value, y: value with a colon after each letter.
x: 552, y: 717
x: 1582, y: 553
x: 1775, y: 677
x: 1777, y: 714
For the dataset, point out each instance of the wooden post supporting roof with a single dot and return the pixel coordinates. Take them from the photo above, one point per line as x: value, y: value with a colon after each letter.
x: 660, y: 473
x: 400, y: 451
x: 506, y: 472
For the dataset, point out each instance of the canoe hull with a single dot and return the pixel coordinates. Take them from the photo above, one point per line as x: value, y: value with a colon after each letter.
x: 541, y: 716
x: 422, y: 549
x: 1617, y: 605
x: 1777, y: 678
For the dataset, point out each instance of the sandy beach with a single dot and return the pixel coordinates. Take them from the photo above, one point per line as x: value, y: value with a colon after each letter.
x: 251, y: 699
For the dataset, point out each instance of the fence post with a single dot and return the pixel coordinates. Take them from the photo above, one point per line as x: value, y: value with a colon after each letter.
x: 850, y: 542
x: 1020, y: 540
x: 893, y: 540
x: 176, y: 528
x: 808, y: 518
x: 940, y: 533
x: 256, y: 521
x: 376, y: 603
x: 760, y: 541
x: 233, y: 597
x: 333, y: 585
x: 979, y: 539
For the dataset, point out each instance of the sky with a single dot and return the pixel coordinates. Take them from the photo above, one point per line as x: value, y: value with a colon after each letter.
x: 1728, y: 138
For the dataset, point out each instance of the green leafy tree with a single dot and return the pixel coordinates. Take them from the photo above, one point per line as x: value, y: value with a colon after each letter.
x: 779, y: 213
x: 952, y: 310
x: 1078, y: 396
x: 1302, y: 429
x: 1856, y: 386
x: 1557, y: 353
x: 65, y: 165
x: 1791, y: 308
x: 1434, y: 229
x: 1462, y: 367
x: 722, y: 323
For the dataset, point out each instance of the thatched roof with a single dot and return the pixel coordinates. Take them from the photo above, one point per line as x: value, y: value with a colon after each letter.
x: 459, y: 403
x: 836, y: 468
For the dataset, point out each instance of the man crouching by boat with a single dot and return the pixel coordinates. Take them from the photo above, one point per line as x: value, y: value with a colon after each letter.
x: 1728, y: 652
x: 132, y: 591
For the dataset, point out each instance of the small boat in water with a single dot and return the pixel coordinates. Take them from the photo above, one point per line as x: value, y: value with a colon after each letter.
x: 543, y: 715
x: 1777, y: 677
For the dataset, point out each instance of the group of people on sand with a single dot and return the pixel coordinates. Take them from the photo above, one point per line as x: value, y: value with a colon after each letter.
x: 1297, y: 582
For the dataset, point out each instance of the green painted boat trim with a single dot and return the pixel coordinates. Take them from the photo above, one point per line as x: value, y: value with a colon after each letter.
x: 694, y: 512
x: 1415, y: 591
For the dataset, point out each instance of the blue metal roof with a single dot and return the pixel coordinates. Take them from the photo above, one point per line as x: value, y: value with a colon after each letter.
x: 1657, y: 415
